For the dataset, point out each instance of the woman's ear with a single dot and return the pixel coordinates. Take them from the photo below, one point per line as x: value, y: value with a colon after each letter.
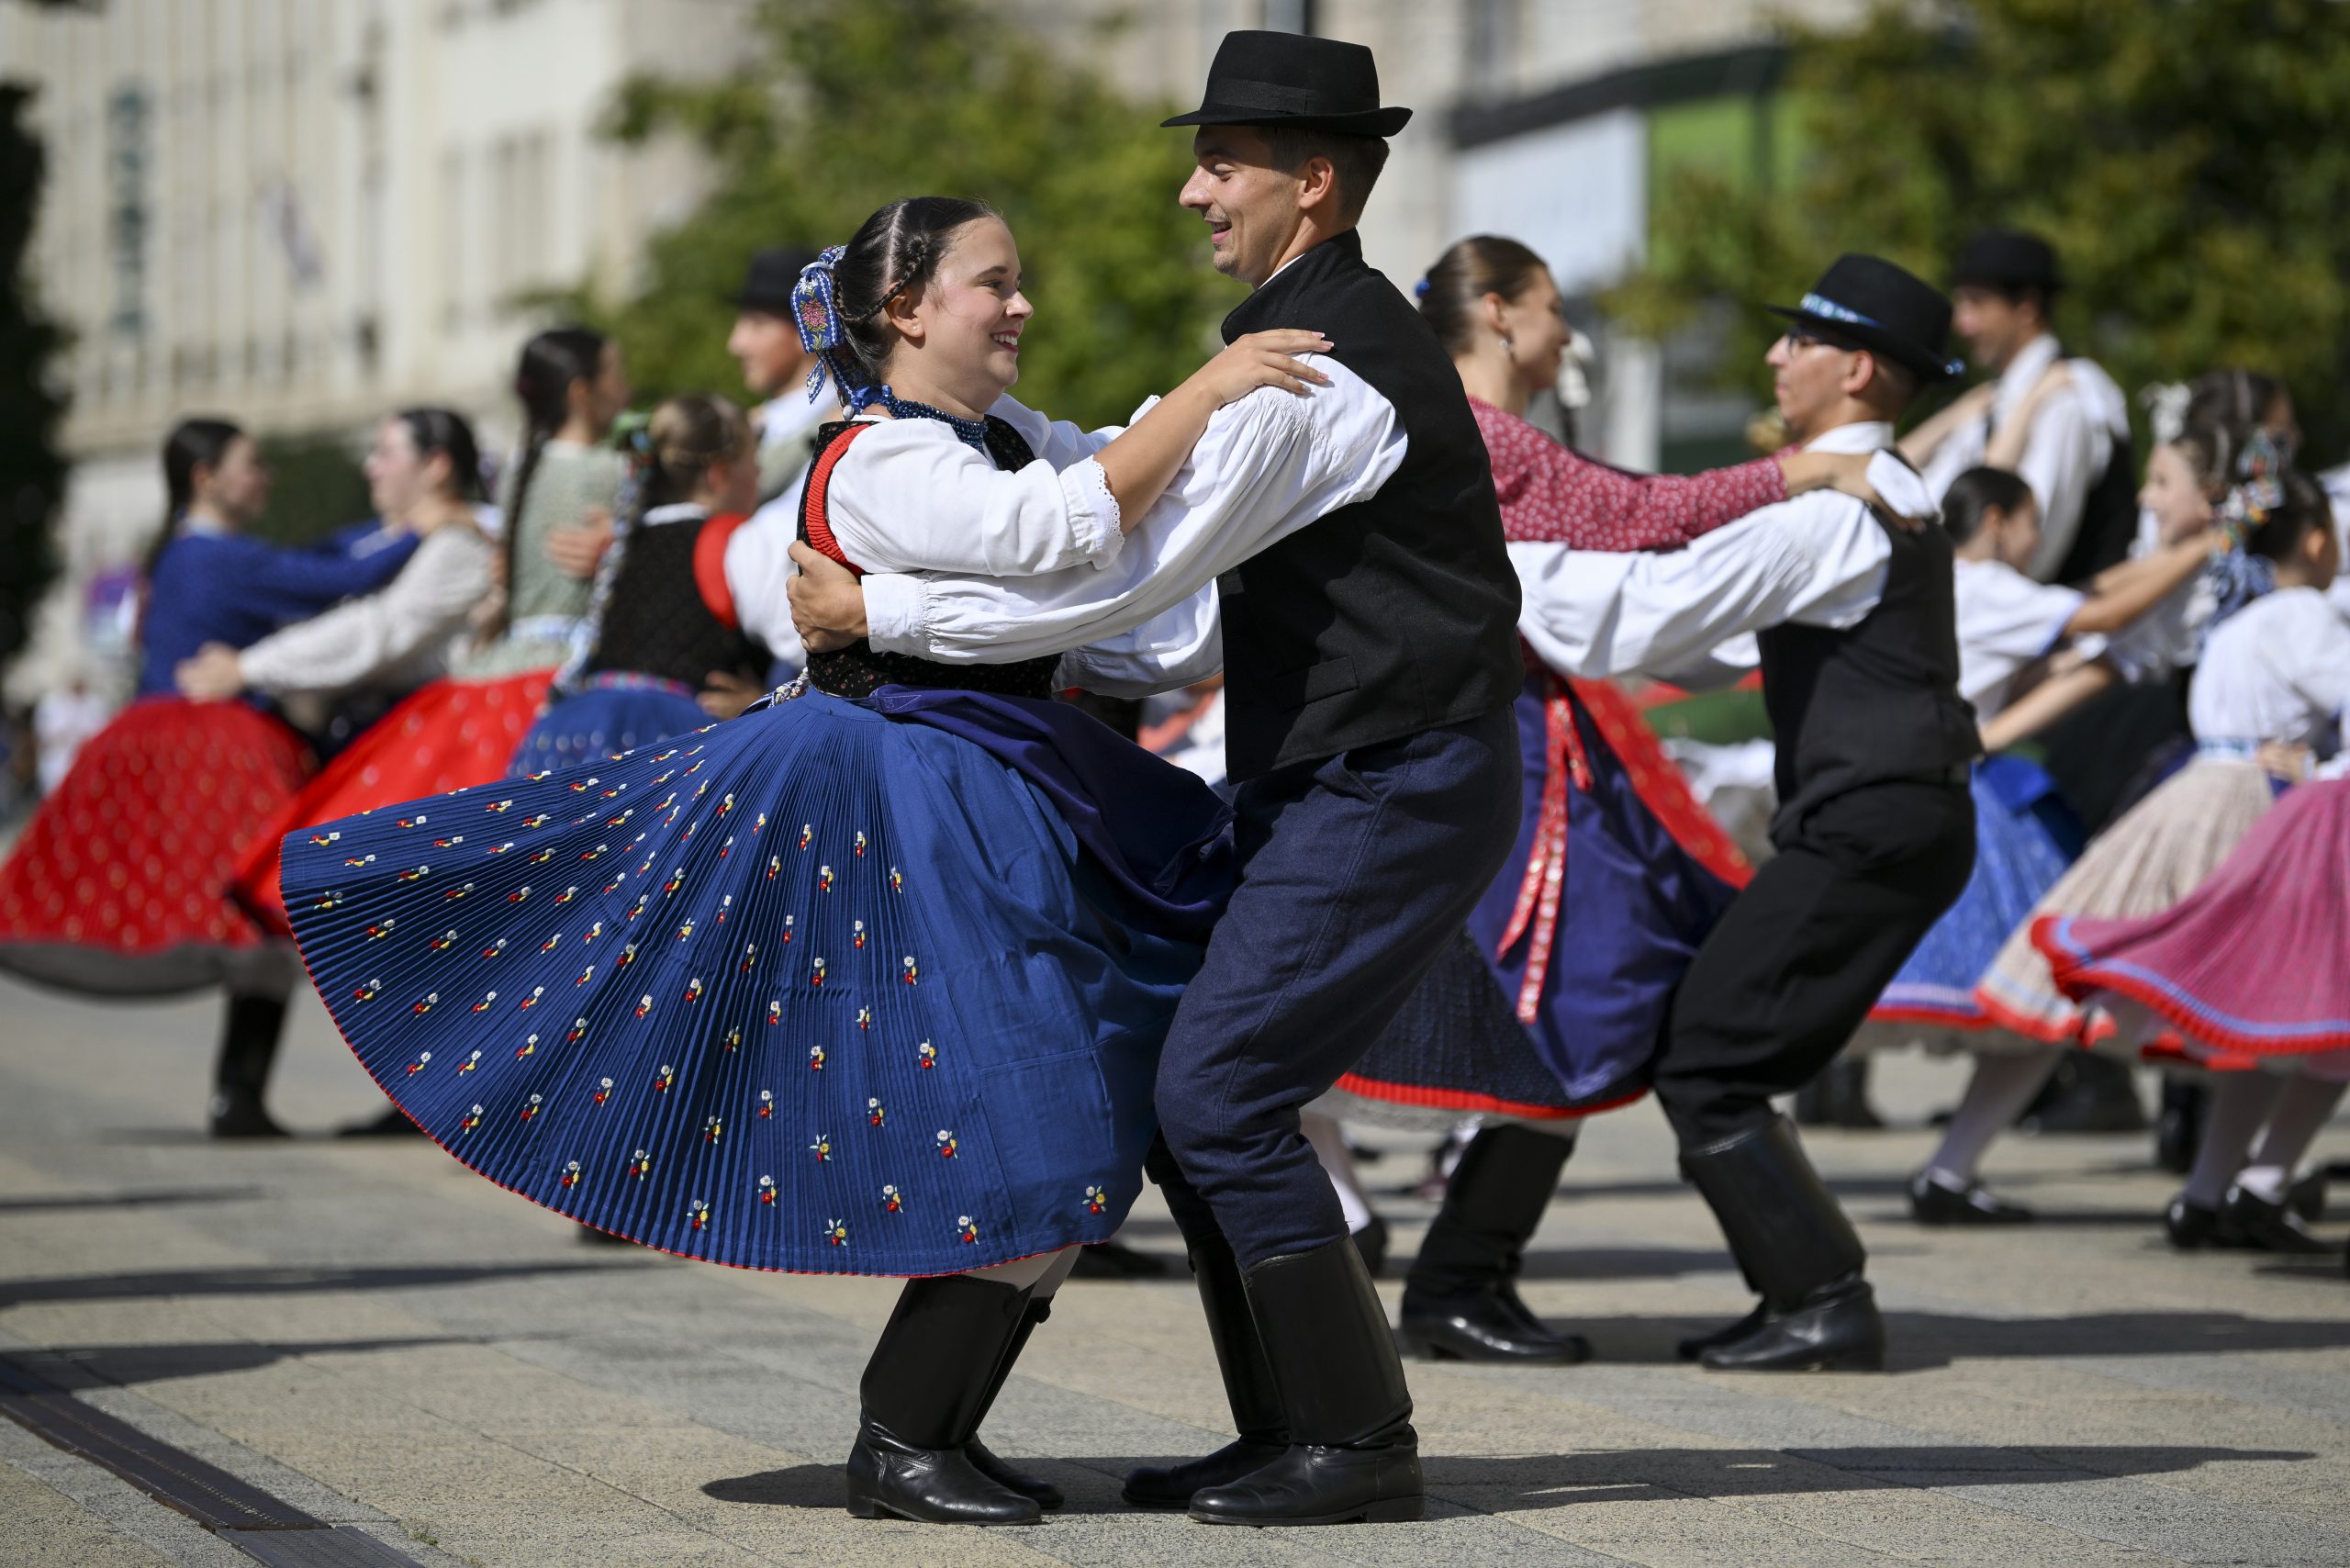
x: 903, y: 310
x: 1489, y: 311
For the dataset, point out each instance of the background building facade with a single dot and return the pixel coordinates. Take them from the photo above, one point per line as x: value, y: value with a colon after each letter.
x: 303, y: 212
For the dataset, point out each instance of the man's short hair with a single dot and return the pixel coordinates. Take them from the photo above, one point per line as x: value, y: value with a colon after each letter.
x: 1901, y: 384
x: 1356, y: 160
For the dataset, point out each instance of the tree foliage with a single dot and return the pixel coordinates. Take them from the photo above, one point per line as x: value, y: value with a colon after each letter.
x: 841, y: 106
x: 2184, y: 156
x: 32, y: 469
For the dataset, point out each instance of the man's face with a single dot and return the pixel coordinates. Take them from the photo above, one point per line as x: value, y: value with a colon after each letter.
x: 1251, y: 207
x: 768, y: 348
x: 1992, y: 327
x: 1808, y: 379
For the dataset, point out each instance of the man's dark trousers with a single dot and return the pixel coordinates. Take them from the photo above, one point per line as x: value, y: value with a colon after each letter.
x: 1801, y: 956
x: 1355, y: 871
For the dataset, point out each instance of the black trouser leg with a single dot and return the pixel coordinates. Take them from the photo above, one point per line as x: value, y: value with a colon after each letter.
x: 1353, y: 1454
x: 924, y: 1393
x: 1460, y: 1300
x: 250, y: 1028
x: 1248, y: 1386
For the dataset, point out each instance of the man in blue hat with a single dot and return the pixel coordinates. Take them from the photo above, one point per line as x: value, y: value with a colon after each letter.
x: 1363, y: 606
x: 1855, y: 618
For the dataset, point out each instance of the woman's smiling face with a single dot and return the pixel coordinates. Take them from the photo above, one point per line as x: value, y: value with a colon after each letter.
x: 962, y: 333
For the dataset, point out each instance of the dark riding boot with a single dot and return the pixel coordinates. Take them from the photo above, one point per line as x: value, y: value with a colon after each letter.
x: 983, y: 1460
x: 249, y: 1036
x: 1818, y: 1313
x: 1248, y: 1386
x: 923, y: 1392
x: 1353, y: 1455
x: 1460, y: 1300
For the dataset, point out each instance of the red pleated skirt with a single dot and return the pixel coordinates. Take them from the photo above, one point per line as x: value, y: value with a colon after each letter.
x: 444, y: 737
x: 119, y: 885
x: 2255, y: 961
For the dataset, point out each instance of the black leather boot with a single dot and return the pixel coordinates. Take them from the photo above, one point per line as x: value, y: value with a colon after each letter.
x: 1460, y: 1300
x: 248, y: 1036
x: 1353, y: 1455
x: 1248, y: 1388
x: 923, y: 1392
x: 1797, y: 1248
x: 983, y: 1458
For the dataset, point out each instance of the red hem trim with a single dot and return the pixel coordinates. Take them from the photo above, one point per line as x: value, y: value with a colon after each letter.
x: 2008, y: 1018
x: 2079, y: 975
x: 1476, y: 1104
x: 1970, y: 1022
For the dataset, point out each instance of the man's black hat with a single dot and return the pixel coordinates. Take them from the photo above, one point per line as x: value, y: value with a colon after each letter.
x: 1291, y: 79
x: 768, y: 284
x: 2008, y: 258
x: 1866, y: 302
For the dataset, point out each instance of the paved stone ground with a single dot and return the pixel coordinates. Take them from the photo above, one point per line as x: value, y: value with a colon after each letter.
x: 374, y: 1335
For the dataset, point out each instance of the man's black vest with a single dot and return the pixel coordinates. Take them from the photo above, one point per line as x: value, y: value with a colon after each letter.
x: 2109, y: 514
x: 1395, y: 614
x: 1876, y: 701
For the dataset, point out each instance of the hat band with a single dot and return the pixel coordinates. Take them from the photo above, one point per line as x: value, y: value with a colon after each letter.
x: 1820, y: 305
x: 1271, y: 96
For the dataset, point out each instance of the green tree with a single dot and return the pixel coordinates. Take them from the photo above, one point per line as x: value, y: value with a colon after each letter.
x: 2184, y: 156
x: 842, y: 105
x: 32, y: 469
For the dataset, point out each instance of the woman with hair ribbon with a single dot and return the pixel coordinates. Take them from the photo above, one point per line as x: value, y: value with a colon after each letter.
x: 872, y: 980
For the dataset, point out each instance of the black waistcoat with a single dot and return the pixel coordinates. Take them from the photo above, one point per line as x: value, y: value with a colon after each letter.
x: 1876, y: 702
x: 1395, y: 614
x: 655, y: 621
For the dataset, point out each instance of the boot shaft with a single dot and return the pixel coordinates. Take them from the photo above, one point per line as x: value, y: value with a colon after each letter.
x: 937, y: 1363
x: 1326, y: 1339
x: 1782, y: 1224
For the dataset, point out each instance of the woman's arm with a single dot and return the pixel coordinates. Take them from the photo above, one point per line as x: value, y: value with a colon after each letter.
x: 1920, y: 444
x: 2122, y: 593
x: 2046, y: 703
x: 426, y: 604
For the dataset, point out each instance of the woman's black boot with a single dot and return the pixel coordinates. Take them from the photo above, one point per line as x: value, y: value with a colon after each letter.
x: 1797, y: 1248
x: 1353, y: 1455
x: 1248, y: 1386
x: 923, y: 1392
x: 1460, y: 1300
x: 248, y: 1036
x: 983, y: 1458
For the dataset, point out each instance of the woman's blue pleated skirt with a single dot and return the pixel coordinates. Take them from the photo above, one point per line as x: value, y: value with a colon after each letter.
x: 2025, y: 837
x: 816, y: 989
x: 603, y: 718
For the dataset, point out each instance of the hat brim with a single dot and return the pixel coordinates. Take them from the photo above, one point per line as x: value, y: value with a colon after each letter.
x: 1910, y: 357
x: 1365, y: 122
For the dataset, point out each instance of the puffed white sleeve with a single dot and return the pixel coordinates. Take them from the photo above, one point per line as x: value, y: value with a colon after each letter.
x: 1059, y: 441
x: 2313, y: 657
x: 759, y: 569
x: 1269, y: 465
x: 908, y: 495
x: 2065, y: 448
x: 1596, y: 613
x: 1177, y: 647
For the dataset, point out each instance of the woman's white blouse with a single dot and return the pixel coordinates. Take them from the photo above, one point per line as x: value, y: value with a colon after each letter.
x: 2277, y: 670
x: 2005, y: 621
x: 908, y: 495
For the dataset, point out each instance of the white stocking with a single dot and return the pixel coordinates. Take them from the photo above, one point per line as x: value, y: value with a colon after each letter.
x: 2003, y: 1084
x: 2240, y: 1101
x: 2306, y: 1105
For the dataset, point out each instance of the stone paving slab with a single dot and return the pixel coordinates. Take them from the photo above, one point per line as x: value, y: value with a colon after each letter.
x: 375, y: 1336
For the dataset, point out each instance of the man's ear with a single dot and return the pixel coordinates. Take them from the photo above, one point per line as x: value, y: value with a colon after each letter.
x: 1317, y: 186
x: 1860, y: 375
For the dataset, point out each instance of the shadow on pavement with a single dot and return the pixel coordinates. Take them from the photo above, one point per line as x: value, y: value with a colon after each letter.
x: 1920, y: 1341
x: 129, y: 1200
x: 283, y: 1279
x: 1517, y: 1482
x: 76, y: 1367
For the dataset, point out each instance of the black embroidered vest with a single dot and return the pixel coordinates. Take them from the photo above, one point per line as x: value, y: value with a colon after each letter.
x: 657, y: 620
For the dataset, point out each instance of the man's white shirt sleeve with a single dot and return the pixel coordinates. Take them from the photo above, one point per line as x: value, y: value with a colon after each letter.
x: 1269, y: 465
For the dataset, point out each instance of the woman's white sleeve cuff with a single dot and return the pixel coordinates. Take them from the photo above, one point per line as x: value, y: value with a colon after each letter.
x: 1093, y: 516
x: 893, y: 615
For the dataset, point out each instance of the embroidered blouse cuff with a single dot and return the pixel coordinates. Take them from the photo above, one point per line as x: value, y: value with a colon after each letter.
x: 1093, y: 516
x: 894, y: 612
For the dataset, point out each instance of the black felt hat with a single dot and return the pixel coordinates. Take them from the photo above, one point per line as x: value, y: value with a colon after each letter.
x: 2008, y: 258
x: 766, y: 284
x: 1866, y: 302
x: 1291, y: 79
